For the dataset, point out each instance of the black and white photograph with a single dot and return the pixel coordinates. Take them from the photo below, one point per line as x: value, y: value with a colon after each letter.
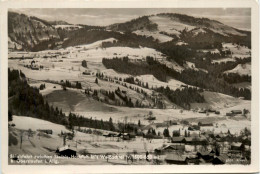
x: 129, y: 86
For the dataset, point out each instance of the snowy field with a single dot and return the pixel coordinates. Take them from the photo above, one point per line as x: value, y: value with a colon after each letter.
x: 90, y: 143
x: 241, y: 69
x: 237, y: 50
x: 223, y: 60
x: 170, y: 26
x: 66, y: 65
x: 224, y: 103
x: 155, y: 34
x: 25, y: 123
x: 155, y: 83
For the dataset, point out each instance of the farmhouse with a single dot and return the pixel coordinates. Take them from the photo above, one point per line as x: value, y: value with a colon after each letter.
x: 112, y: 134
x: 178, y: 140
x: 205, y: 123
x: 174, y: 147
x: 236, y: 112
x: 127, y: 136
x: 47, y: 131
x: 211, y: 110
x: 87, y: 72
x: 66, y: 151
x: 217, y: 112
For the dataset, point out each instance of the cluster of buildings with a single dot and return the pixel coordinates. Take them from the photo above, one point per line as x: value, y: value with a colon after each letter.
x: 207, y: 148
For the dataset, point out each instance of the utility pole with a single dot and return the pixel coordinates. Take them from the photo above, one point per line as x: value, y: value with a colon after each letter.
x: 64, y: 140
x: 21, y: 140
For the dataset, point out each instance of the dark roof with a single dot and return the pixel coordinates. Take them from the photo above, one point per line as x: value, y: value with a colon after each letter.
x: 66, y: 148
x: 175, y: 147
x: 221, y: 135
x: 209, y: 132
x: 205, y: 123
x: 236, y: 111
x: 177, y: 139
x: 175, y: 157
x: 206, y: 152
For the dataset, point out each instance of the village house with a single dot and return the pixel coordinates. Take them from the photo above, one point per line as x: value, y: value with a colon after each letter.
x: 112, y: 134
x: 180, y: 140
x: 47, y: 131
x: 127, y: 136
x: 205, y: 123
x: 87, y: 72
x: 170, y: 148
x: 237, y: 147
x: 173, y: 158
x: 234, y: 113
x: 206, y: 155
x: 221, y: 159
x: 66, y: 151
x: 211, y: 110
x: 174, y: 147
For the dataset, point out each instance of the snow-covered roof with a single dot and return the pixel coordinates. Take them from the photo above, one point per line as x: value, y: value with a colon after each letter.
x: 66, y: 148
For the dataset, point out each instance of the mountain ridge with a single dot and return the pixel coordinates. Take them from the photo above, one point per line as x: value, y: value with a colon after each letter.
x: 43, y: 34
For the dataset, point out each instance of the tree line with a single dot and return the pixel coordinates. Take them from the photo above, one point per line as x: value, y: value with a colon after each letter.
x: 27, y: 101
x: 201, y: 79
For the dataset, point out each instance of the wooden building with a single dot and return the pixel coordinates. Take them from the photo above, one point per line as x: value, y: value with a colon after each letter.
x: 66, y: 151
x: 176, y: 159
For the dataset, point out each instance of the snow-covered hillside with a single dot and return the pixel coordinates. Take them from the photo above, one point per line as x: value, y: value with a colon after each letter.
x: 93, y: 45
x: 170, y: 26
x: 221, y: 101
x: 190, y: 65
x: 223, y: 60
x: 241, y: 69
x: 68, y: 27
x: 25, y: 123
x: 237, y: 51
x: 155, y: 83
x: 155, y: 34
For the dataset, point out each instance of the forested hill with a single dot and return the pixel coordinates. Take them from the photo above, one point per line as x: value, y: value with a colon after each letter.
x: 25, y: 33
x: 25, y: 100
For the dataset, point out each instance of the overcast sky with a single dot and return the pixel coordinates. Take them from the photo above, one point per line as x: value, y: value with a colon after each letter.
x: 235, y: 17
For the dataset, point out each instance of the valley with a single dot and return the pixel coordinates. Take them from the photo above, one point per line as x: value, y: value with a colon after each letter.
x: 129, y: 89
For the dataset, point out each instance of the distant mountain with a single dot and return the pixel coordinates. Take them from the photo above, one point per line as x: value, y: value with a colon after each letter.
x: 171, y: 26
x: 34, y: 34
x: 27, y: 33
x: 180, y: 22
